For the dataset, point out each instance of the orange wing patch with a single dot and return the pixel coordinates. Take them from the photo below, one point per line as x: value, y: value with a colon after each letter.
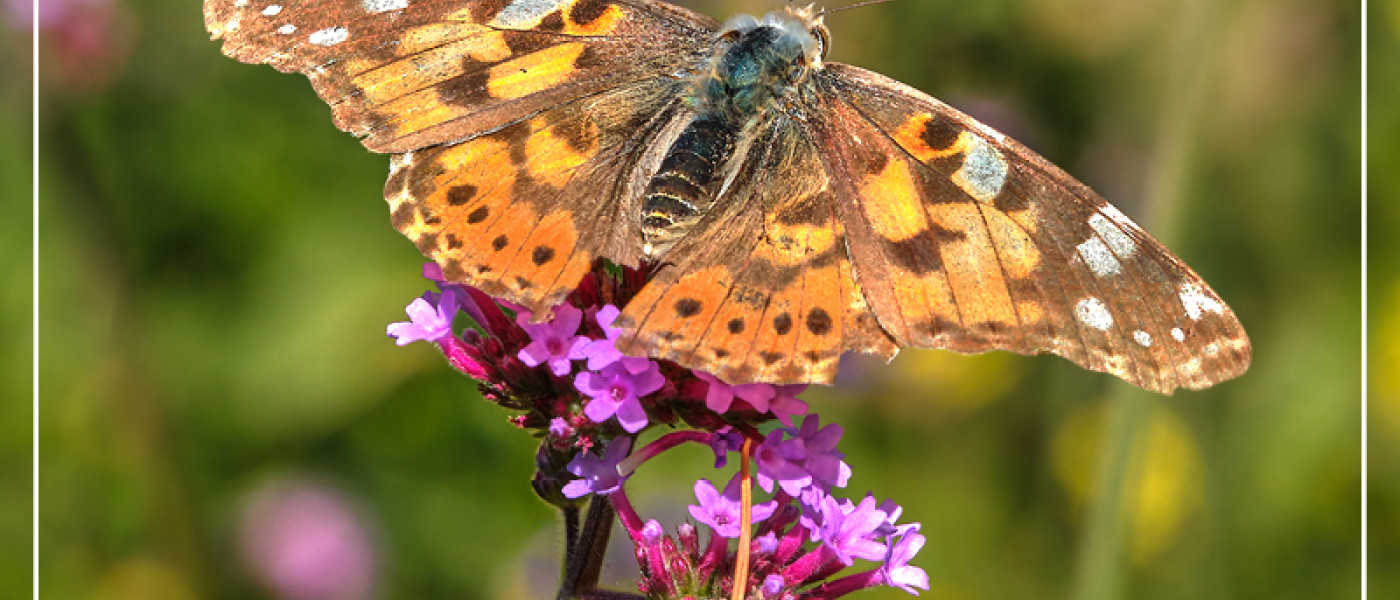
x: 534, y: 72
x: 436, y: 55
x: 896, y: 211
x: 462, y: 205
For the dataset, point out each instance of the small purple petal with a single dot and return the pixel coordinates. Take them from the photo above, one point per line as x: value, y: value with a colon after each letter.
x: 767, y: 543
x: 724, y: 441
x: 719, y: 396
x: 433, y: 272
x: 756, y: 395
x: 722, y: 511
x: 772, y: 585
x: 849, y: 530
x: 896, y: 569
x: 430, y: 319
x: 786, y: 404
x: 781, y: 461
x: 617, y: 391
x: 604, y: 352
x: 552, y: 342
x: 597, y: 475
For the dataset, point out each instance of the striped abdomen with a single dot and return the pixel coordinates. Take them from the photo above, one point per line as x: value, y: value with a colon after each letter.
x: 684, y: 188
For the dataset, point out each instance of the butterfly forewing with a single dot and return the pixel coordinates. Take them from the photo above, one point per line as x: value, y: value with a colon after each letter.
x: 1032, y: 260
x: 410, y: 75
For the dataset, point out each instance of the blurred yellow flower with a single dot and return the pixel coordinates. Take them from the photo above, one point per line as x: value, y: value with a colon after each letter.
x: 1164, y: 477
x: 1385, y: 355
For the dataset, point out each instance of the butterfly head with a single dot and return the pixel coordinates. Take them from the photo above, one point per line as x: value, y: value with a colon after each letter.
x: 758, y: 60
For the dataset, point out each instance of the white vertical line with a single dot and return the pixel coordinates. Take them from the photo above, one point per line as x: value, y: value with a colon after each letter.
x: 1364, y: 248
x: 34, y: 412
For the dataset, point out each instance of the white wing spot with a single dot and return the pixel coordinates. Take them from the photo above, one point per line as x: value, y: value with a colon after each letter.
x: 1197, y: 302
x: 1092, y: 312
x: 1212, y: 349
x: 1178, y: 335
x: 272, y: 10
x: 525, y: 14
x: 1143, y: 338
x: 1099, y: 259
x: 232, y: 24
x: 329, y: 36
x: 983, y: 171
x: 379, y: 6
x: 240, y: 3
x: 991, y: 133
x: 1119, y: 242
x: 287, y: 29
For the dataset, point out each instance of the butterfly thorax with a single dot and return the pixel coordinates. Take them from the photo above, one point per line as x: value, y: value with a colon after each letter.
x: 756, y: 64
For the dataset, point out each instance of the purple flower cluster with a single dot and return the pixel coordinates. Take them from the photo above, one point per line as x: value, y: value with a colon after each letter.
x: 803, y: 535
x: 568, y: 383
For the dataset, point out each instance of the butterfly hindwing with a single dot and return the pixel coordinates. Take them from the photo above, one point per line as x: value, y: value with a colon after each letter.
x: 1032, y: 260
x: 523, y: 212
x: 761, y: 289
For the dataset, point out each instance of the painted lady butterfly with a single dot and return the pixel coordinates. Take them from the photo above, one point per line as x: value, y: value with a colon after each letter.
x: 798, y: 209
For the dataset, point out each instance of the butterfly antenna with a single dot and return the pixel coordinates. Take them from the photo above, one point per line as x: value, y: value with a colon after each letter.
x: 825, y: 12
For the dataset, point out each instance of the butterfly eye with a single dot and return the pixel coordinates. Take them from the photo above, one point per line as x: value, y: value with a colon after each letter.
x: 823, y: 38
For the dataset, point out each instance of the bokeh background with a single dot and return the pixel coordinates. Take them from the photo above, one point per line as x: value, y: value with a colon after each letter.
x: 223, y: 416
x: 1383, y: 325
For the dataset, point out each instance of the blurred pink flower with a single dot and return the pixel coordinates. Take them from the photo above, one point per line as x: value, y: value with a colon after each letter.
x: 307, y: 541
x: 84, y: 43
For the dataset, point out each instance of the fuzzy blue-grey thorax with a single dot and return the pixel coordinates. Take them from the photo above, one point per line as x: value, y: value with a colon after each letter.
x: 757, y: 61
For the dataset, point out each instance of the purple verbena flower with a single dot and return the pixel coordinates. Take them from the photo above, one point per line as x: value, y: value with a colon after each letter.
x: 720, y: 395
x: 809, y: 458
x: 780, y: 461
x: 553, y: 341
x: 823, y: 461
x: 766, y: 543
x: 722, y: 511
x: 897, y: 570
x: 597, y: 475
x: 725, y: 440
x: 848, y: 530
x: 618, y: 390
x: 785, y: 403
x: 604, y: 352
x: 772, y: 585
x: 430, y: 319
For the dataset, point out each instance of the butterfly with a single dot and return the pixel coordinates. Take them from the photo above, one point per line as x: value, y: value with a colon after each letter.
x: 798, y: 209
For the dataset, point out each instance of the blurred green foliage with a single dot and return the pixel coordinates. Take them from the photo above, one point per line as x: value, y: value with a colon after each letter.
x: 1383, y: 326
x: 16, y: 317
x: 219, y: 268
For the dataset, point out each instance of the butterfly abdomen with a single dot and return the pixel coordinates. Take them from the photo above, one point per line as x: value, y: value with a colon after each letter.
x: 684, y: 188
x: 755, y: 65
